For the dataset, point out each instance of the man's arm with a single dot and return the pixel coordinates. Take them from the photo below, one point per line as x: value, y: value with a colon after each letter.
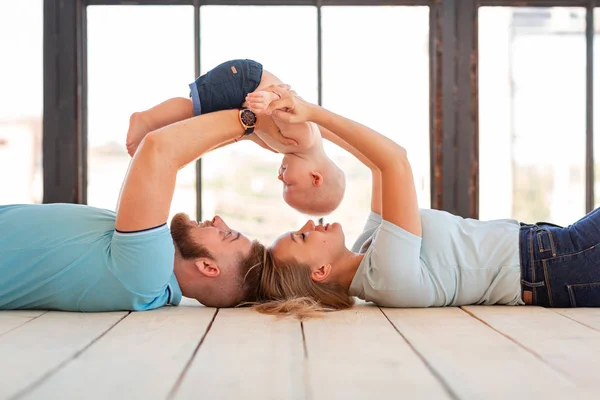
x: 149, y: 185
x: 375, y: 172
x: 252, y: 137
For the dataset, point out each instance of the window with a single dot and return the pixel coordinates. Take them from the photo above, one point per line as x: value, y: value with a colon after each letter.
x: 239, y: 182
x: 374, y: 75
x: 532, y: 113
x: 21, y: 101
x: 597, y: 108
x: 137, y: 57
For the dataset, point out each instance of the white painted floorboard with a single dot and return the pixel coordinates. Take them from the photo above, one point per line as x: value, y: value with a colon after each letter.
x: 194, y: 352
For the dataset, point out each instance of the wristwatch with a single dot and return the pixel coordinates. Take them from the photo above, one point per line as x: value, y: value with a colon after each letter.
x: 248, y: 120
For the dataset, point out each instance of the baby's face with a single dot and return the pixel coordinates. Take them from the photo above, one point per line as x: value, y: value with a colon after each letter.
x: 296, y: 175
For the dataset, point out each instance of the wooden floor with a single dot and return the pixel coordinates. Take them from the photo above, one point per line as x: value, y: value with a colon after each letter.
x: 193, y: 352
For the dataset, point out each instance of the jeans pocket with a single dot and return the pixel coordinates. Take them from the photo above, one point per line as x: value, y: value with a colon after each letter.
x: 584, y: 294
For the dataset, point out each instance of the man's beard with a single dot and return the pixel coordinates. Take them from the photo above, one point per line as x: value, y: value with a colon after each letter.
x: 182, y: 238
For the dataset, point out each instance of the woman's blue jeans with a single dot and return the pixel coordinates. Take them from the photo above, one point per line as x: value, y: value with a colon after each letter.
x: 560, y: 266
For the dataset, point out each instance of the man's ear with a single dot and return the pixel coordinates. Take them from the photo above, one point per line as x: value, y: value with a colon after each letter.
x: 317, y: 178
x: 320, y: 274
x: 207, y: 267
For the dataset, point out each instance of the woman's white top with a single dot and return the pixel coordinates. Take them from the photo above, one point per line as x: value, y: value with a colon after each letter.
x: 458, y: 261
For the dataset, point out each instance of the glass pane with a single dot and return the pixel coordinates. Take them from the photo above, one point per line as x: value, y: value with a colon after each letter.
x: 532, y: 114
x: 21, y: 101
x: 597, y: 108
x: 133, y: 66
x: 239, y: 182
x: 378, y: 78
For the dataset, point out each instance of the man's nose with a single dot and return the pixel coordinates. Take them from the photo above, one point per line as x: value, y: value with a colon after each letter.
x: 217, y: 222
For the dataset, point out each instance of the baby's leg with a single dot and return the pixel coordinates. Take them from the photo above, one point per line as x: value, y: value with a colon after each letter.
x: 268, y: 79
x: 260, y: 99
x: 222, y: 88
x: 163, y: 114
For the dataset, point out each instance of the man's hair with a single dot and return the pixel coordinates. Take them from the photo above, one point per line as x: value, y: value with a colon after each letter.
x: 242, y: 286
x: 250, y: 270
x: 236, y: 285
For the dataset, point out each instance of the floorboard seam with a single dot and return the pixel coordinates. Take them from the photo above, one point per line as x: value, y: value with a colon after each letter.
x: 49, y: 374
x: 579, y: 322
x: 430, y: 367
x: 179, y: 380
x: 305, y: 368
x: 24, y: 323
x: 533, y: 353
x: 304, y: 340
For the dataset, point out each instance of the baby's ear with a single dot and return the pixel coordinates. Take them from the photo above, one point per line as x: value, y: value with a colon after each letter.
x: 317, y: 178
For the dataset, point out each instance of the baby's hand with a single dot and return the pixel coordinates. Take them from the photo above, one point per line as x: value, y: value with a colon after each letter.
x: 260, y: 100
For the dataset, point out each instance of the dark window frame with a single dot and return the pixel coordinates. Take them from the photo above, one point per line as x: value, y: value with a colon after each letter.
x: 454, y: 97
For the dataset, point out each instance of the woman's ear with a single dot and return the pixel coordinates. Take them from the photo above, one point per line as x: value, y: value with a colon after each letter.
x: 317, y: 178
x: 320, y: 274
x: 207, y: 267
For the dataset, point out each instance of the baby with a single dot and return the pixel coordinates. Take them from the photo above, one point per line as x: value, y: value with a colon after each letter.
x: 312, y: 183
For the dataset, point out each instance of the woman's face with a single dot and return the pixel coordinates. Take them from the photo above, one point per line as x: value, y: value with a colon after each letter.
x: 312, y: 245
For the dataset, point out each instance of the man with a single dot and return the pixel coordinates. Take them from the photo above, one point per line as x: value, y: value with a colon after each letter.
x: 80, y: 258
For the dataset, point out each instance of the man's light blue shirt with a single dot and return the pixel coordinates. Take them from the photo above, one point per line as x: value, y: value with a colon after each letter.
x: 69, y: 257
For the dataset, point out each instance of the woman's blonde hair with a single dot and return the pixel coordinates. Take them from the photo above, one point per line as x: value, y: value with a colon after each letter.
x: 287, y: 289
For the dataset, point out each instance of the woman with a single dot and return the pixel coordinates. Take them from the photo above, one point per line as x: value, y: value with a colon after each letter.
x: 408, y: 257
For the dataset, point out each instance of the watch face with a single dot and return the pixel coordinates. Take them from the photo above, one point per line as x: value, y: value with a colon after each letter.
x: 248, y: 118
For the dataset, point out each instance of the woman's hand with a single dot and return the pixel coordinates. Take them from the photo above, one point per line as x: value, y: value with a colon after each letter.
x: 291, y: 108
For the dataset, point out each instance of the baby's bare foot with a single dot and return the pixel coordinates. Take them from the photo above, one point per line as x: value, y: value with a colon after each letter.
x: 138, y: 129
x: 260, y: 100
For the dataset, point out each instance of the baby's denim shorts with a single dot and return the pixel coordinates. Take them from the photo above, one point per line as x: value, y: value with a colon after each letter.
x: 226, y: 86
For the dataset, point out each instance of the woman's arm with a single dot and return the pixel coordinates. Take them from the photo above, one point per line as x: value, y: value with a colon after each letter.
x: 399, y: 198
x: 375, y: 172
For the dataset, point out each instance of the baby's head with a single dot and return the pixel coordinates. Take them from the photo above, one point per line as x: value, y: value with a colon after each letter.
x: 311, y: 187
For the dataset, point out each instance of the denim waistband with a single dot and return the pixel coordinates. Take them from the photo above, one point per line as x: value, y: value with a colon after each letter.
x: 533, y: 278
